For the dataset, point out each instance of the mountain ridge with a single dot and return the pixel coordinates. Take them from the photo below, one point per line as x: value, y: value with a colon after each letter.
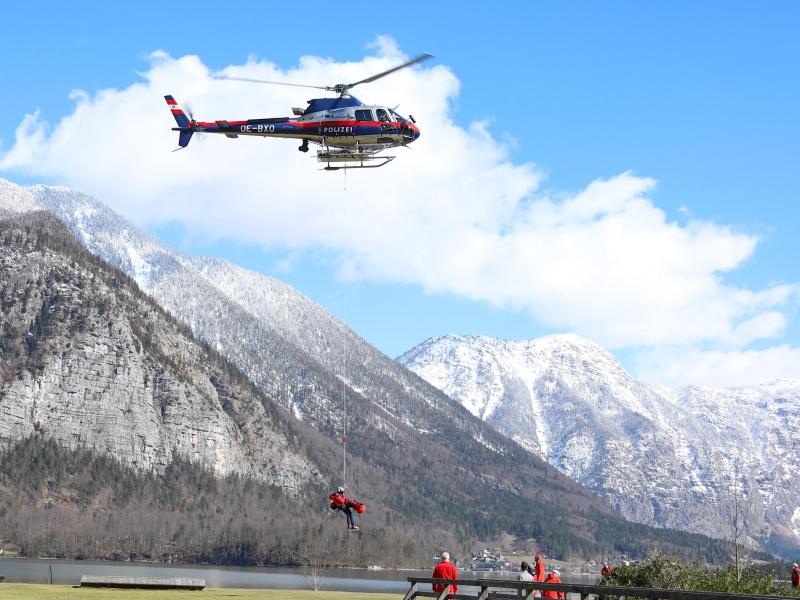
x: 661, y: 456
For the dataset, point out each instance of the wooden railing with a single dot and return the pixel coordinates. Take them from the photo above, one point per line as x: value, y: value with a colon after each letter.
x: 504, y: 589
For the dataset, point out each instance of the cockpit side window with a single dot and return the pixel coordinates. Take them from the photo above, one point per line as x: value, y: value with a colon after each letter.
x: 397, y: 117
x: 364, y: 114
x: 341, y: 114
x: 383, y: 116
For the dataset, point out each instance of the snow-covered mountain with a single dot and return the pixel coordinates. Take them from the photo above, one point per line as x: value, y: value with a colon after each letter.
x: 667, y: 457
x: 403, y: 433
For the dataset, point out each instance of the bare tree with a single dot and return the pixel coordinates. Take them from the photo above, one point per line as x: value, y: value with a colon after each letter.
x: 738, y: 512
x: 314, y: 559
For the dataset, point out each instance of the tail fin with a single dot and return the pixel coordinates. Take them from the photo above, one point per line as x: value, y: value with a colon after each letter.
x: 180, y: 117
x: 184, y: 124
x: 184, y: 137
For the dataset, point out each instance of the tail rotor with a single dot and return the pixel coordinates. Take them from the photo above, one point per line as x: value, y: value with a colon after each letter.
x: 190, y: 114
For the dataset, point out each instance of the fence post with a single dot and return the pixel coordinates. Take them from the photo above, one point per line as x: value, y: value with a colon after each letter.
x: 412, y: 592
x: 529, y: 595
x: 484, y: 593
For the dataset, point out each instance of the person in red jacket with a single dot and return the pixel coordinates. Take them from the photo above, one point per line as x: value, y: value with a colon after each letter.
x: 538, y: 568
x: 341, y: 502
x: 445, y: 570
x: 538, y: 572
x: 606, y: 570
x: 553, y: 577
x: 795, y: 576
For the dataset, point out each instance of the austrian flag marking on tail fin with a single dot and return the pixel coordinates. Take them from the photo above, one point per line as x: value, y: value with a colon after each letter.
x: 180, y: 117
x: 184, y: 128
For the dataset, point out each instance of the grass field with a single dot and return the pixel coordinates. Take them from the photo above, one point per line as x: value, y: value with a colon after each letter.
x: 27, y: 591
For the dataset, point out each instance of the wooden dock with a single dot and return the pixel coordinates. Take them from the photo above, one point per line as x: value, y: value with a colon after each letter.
x: 147, y: 583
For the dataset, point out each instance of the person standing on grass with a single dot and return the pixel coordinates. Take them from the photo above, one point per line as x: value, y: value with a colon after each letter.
x: 538, y: 572
x: 445, y: 570
x: 525, y: 574
x: 795, y: 576
x: 538, y: 568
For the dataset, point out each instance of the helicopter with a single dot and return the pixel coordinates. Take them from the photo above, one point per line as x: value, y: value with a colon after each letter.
x: 350, y: 134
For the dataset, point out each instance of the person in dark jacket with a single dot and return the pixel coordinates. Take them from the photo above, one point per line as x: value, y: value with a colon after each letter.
x: 445, y: 570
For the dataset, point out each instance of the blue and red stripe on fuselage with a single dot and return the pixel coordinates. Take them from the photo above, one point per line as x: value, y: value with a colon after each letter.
x: 347, y: 132
x: 332, y: 132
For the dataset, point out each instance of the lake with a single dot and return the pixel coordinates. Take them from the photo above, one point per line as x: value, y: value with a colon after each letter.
x: 23, y: 570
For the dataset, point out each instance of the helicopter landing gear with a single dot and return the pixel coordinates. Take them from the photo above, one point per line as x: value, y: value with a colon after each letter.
x: 304, y: 146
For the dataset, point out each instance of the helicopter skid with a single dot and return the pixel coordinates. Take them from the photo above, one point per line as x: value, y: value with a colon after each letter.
x: 348, y: 156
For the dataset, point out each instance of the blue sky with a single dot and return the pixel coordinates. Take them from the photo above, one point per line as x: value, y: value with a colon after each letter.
x: 702, y: 97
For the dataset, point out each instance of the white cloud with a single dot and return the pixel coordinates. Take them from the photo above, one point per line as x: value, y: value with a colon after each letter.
x: 453, y: 213
x: 718, y: 368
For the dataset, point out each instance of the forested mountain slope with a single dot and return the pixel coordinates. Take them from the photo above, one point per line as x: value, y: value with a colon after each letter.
x: 75, y: 503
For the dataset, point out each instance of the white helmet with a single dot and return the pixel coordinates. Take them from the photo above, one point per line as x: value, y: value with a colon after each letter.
x: 341, y: 489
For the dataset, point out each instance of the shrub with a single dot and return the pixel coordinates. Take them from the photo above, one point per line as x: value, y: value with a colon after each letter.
x: 665, y: 572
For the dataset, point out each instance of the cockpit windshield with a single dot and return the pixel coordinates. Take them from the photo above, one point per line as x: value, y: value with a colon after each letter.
x: 397, y: 117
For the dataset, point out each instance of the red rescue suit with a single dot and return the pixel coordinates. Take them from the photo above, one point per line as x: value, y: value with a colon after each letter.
x: 796, y: 577
x: 340, y: 501
x: 553, y: 578
x: 445, y: 570
x: 607, y: 570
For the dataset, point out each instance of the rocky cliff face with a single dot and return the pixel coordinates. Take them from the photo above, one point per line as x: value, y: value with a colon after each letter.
x: 92, y: 362
x: 665, y: 457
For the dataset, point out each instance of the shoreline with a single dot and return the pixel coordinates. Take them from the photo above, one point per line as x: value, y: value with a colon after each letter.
x: 161, y: 563
x: 69, y: 572
x: 36, y: 591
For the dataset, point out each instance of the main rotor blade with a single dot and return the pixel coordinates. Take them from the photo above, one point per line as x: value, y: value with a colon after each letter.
x: 413, y: 61
x: 247, y: 79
